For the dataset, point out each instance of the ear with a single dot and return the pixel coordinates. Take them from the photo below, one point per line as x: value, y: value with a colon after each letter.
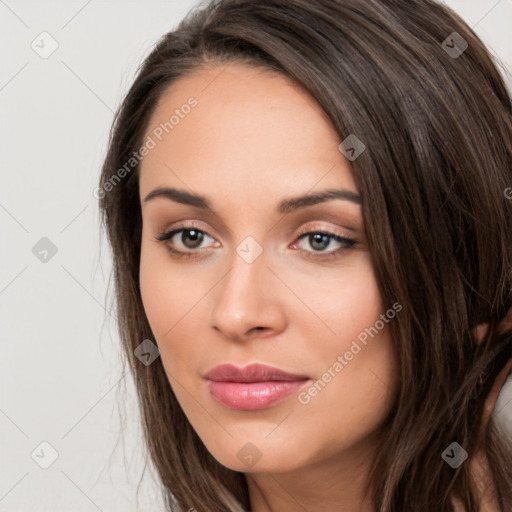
x: 481, y: 331
x: 505, y: 325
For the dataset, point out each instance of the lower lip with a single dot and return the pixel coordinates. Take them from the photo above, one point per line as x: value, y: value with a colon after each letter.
x: 251, y: 396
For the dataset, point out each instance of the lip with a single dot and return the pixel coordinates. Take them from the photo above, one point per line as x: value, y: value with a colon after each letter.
x: 252, y: 387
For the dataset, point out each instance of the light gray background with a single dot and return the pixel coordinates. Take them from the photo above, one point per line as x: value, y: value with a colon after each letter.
x: 60, y: 374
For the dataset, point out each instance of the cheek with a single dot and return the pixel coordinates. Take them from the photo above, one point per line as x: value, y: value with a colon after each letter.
x: 356, y: 306
x: 355, y: 365
x: 167, y: 294
x: 344, y: 302
x: 156, y: 293
x: 171, y: 299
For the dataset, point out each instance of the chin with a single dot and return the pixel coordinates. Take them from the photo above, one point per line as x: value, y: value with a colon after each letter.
x: 258, y: 456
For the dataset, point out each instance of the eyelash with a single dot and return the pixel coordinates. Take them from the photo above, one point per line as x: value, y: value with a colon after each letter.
x: 324, y: 255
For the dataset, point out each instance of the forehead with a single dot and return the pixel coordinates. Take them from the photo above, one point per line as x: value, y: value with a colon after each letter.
x: 249, y: 129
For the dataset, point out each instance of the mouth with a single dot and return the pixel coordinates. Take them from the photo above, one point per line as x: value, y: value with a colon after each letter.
x: 253, y: 387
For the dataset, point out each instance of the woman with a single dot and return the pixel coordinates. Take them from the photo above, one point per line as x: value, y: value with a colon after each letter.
x: 307, y: 206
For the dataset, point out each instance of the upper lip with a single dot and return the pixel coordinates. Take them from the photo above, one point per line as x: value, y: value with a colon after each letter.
x: 250, y: 373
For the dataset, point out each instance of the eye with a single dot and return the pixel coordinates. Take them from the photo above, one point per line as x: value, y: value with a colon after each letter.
x: 320, y: 240
x: 192, y: 237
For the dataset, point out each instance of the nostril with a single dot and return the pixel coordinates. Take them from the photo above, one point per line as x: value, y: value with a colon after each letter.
x: 258, y: 329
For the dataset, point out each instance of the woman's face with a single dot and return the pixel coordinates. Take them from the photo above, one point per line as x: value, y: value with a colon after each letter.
x: 246, y: 287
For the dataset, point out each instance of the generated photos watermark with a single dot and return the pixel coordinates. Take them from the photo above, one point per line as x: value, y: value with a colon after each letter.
x: 341, y: 361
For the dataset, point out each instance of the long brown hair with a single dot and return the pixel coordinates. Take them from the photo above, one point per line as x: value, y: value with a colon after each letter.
x: 436, y: 119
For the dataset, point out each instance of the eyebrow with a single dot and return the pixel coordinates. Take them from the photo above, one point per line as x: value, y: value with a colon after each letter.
x: 286, y: 206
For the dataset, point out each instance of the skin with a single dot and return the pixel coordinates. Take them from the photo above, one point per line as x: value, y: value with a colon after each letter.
x: 254, y: 139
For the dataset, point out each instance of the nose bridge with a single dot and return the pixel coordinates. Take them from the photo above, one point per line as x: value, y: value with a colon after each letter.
x: 243, y: 286
x: 245, y: 298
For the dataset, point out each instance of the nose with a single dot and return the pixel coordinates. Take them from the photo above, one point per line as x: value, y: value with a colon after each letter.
x: 247, y: 302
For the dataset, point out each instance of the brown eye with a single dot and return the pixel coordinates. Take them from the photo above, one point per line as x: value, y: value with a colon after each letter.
x: 190, y: 240
x: 195, y: 236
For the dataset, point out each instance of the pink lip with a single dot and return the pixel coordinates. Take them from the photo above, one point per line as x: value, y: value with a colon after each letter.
x: 253, y: 387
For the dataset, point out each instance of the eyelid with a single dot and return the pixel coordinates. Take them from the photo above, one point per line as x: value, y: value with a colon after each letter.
x: 188, y: 224
x: 346, y: 241
x: 320, y: 229
x: 315, y: 226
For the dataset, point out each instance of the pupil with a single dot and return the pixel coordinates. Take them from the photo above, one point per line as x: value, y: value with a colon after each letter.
x: 193, y: 234
x: 319, y: 238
